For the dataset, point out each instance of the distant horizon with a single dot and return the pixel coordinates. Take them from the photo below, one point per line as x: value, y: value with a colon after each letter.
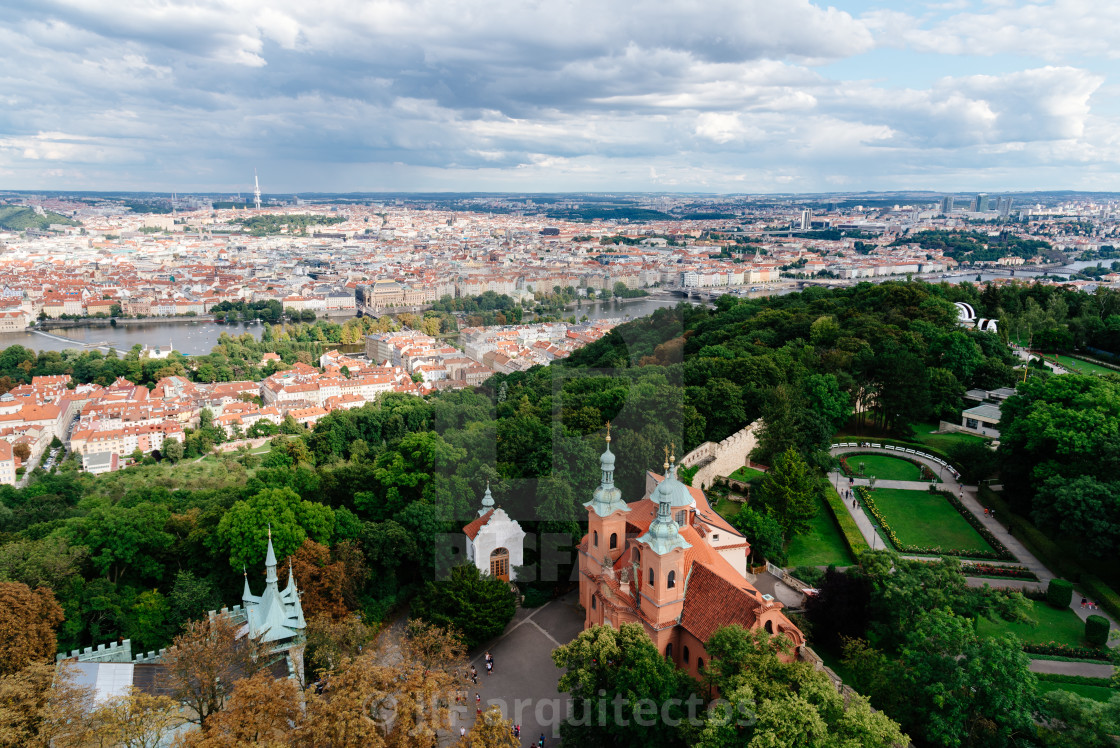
x: 502, y: 193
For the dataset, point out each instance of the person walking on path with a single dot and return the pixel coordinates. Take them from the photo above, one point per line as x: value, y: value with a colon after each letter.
x: 489, y: 667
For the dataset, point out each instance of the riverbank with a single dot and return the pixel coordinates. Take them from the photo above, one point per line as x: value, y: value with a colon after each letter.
x: 64, y: 324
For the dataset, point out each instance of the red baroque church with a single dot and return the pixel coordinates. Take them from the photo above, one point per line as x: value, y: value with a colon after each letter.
x: 672, y: 564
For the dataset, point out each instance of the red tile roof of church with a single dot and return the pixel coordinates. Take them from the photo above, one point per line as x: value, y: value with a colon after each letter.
x: 711, y: 602
x: 472, y: 529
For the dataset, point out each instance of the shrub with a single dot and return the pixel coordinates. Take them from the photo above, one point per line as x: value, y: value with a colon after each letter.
x: 848, y: 528
x: 1059, y: 593
x: 535, y: 597
x: 810, y: 575
x: 1096, y: 631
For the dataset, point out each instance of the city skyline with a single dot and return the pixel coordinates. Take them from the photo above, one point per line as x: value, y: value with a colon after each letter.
x: 741, y: 98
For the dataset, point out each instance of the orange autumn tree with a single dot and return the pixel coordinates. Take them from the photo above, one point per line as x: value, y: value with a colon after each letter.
x: 28, y: 619
x: 327, y: 580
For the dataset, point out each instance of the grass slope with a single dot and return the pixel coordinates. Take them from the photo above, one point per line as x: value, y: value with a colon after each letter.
x: 821, y: 544
x: 928, y: 520
x: 1049, y: 625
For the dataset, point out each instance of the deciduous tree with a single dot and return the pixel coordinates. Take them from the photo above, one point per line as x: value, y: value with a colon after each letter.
x: 28, y: 619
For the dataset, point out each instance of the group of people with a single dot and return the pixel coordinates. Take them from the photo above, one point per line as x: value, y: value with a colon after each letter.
x: 461, y: 698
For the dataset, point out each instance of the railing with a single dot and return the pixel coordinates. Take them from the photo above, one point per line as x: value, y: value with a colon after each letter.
x: 788, y: 578
x: 900, y: 450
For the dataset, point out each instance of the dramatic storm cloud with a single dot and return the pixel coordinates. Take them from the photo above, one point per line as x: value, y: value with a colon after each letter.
x: 715, y: 95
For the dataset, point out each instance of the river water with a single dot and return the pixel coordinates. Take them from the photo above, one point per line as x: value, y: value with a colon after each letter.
x: 193, y: 338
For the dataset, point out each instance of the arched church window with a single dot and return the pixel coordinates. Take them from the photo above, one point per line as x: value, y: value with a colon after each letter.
x: 769, y: 627
x: 499, y: 564
x: 699, y: 663
x: 593, y: 606
x: 684, y: 655
x: 671, y: 581
x: 614, y: 540
x: 651, y: 576
x: 680, y: 518
x: 669, y: 650
x: 595, y: 538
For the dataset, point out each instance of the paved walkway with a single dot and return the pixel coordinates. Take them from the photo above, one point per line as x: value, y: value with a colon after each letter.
x: 968, y: 497
x: 524, y: 680
x: 1085, y: 669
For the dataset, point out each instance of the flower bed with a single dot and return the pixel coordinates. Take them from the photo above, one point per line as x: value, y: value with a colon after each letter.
x: 1065, y: 650
x: 990, y: 570
x: 1000, y: 552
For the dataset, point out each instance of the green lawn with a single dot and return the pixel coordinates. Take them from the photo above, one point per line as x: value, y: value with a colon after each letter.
x: 1083, y: 367
x: 1096, y: 693
x: 923, y: 433
x: 885, y: 467
x: 747, y: 474
x: 1051, y: 625
x: 822, y: 544
x: 927, y: 520
x: 727, y: 508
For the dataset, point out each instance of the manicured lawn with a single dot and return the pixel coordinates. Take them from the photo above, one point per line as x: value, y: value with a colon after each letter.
x: 747, y: 474
x: 822, y: 544
x: 1096, y: 693
x: 923, y: 519
x: 1062, y: 626
x: 1083, y: 367
x: 885, y: 467
x: 923, y: 433
x: 727, y: 508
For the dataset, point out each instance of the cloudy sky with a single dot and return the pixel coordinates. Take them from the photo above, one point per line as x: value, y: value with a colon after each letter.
x: 554, y: 95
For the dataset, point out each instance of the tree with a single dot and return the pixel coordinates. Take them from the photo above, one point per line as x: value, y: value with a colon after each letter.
x: 621, y: 669
x: 789, y: 492
x: 477, y: 606
x: 173, y: 449
x: 960, y: 689
x: 123, y: 539
x: 764, y: 533
x: 394, y: 696
x: 330, y: 641
x: 245, y: 528
x: 28, y: 619
x: 135, y: 720
x: 771, y: 701
x: 490, y: 730
x: 325, y: 585
x: 204, y: 663
x: 22, y: 451
x: 263, y: 710
x: 1072, y: 721
x: 1082, y: 507
x: 41, y: 707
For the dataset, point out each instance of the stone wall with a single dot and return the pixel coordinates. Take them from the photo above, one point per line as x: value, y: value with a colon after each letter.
x: 723, y: 458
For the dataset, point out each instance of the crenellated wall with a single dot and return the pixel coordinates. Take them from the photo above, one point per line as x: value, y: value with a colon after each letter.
x: 723, y: 458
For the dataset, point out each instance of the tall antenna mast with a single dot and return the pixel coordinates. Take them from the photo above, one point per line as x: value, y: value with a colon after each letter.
x: 256, y: 190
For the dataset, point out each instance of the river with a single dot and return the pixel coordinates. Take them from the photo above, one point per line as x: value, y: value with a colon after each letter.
x: 192, y: 338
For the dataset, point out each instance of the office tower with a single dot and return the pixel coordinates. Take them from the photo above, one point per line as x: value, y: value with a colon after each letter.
x: 806, y: 219
x: 947, y: 205
x: 981, y: 202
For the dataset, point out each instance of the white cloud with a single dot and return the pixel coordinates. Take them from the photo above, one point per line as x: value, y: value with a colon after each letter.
x: 724, y: 94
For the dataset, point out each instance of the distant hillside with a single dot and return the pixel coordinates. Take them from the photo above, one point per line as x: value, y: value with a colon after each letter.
x: 19, y: 218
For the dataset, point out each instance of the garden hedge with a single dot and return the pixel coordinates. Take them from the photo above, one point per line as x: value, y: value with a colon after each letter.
x: 852, y: 536
x: 1096, y: 631
x: 1059, y: 593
